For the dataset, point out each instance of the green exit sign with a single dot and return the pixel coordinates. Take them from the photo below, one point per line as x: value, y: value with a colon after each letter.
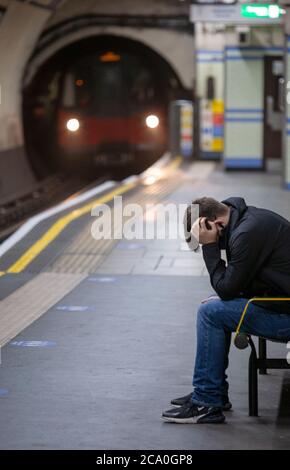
x: 261, y: 10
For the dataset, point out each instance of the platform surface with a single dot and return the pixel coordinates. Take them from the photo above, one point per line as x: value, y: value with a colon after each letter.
x: 106, y: 336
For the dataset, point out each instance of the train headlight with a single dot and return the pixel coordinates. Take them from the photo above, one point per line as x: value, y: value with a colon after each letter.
x: 152, y: 121
x: 73, y: 125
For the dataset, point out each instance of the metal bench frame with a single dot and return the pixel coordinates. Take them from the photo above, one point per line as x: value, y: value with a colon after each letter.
x: 259, y: 362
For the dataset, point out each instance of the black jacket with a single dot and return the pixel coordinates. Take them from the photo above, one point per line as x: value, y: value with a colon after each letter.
x: 257, y: 243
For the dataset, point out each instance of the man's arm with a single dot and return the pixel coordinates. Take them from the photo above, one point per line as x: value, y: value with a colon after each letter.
x: 230, y: 281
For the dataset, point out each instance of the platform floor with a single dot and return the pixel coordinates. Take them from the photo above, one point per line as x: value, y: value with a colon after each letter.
x: 109, y: 344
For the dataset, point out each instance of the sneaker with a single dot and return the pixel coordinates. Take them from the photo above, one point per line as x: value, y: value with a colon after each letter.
x: 193, y: 414
x: 227, y: 406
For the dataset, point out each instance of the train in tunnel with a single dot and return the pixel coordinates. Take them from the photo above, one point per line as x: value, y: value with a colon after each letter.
x: 99, y: 105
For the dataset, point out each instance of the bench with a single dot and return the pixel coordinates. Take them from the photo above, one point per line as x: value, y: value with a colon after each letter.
x: 258, y: 362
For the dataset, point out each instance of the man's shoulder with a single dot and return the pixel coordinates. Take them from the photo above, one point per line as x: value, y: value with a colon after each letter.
x: 263, y: 214
x: 252, y: 225
x: 259, y: 218
x: 251, y: 219
x: 257, y: 224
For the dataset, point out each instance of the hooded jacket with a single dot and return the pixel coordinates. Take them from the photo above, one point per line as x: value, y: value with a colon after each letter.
x: 257, y: 243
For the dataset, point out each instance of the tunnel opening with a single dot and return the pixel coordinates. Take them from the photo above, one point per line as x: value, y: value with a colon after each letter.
x: 99, y: 107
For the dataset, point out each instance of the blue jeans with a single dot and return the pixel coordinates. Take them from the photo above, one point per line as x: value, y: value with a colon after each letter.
x: 216, y: 320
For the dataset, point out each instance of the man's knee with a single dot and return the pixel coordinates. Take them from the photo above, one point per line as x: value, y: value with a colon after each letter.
x: 222, y: 314
x: 208, y: 311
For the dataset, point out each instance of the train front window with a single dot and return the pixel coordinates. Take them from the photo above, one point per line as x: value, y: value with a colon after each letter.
x: 143, y: 90
x: 69, y: 96
x: 110, y: 87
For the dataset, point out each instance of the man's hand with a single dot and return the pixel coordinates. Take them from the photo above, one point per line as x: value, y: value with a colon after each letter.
x: 207, y: 236
x: 202, y: 234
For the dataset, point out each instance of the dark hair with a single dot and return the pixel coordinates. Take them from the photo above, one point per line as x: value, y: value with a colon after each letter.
x: 208, y: 207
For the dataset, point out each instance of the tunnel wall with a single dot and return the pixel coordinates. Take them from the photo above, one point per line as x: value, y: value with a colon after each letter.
x: 244, y: 95
x: 73, y: 8
x: 175, y: 47
x: 19, y: 30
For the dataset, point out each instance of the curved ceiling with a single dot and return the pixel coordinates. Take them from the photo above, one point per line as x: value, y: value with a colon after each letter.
x: 74, y: 19
x: 67, y: 9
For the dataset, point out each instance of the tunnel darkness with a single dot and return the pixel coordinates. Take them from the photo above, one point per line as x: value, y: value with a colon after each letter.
x: 109, y: 84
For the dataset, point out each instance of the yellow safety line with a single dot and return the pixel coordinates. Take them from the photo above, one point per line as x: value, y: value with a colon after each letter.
x: 62, y: 223
x: 175, y: 163
x: 2, y: 273
x: 59, y: 226
x: 259, y: 299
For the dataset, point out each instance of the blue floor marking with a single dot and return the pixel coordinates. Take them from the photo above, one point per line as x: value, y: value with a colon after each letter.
x: 33, y: 344
x: 73, y: 308
x: 130, y: 246
x: 102, y: 279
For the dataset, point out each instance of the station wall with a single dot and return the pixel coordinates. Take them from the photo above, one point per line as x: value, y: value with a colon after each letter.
x: 238, y: 72
x: 19, y: 30
x: 209, y: 73
x: 209, y: 58
x: 244, y: 95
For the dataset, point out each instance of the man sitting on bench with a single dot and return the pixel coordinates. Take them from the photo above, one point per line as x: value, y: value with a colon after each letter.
x: 257, y: 243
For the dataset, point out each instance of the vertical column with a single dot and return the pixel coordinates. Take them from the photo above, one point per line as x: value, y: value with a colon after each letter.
x: 186, y: 129
x: 244, y: 105
x: 244, y: 95
x: 209, y: 60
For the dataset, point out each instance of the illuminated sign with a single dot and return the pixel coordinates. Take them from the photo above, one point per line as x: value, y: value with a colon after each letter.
x: 261, y: 10
x: 250, y: 13
x: 110, y: 57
